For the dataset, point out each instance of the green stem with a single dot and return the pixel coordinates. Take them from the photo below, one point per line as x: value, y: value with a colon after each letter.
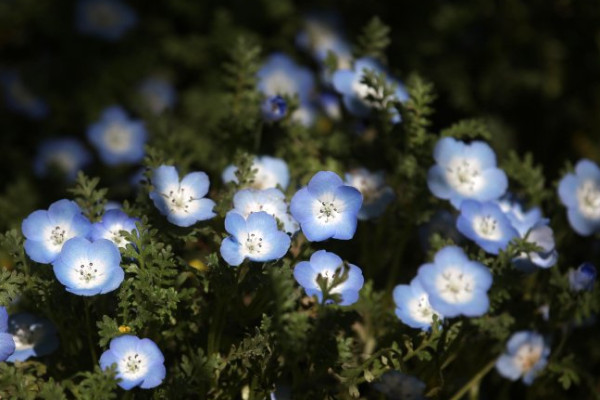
x: 215, y: 330
x: 86, y: 307
x: 474, y: 381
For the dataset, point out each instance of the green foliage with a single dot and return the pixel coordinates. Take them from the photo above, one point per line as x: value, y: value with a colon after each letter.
x: 468, y: 129
x: 87, y: 195
x: 374, y: 40
x: 529, y: 177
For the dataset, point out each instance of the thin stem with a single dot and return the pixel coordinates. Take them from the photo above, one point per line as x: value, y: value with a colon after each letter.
x: 474, y: 381
x: 86, y: 307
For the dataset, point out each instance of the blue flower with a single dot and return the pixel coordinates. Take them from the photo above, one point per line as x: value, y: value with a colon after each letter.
x: 580, y: 193
x: 182, y: 202
x: 321, y: 34
x: 46, y: 231
x: 7, y: 343
x: 329, y: 266
x: 326, y: 208
x: 118, y: 139
x: 255, y: 238
x: 19, y: 98
x: 376, y: 195
x: 412, y: 305
x: 455, y: 284
x: 583, y: 277
x: 89, y: 268
x: 271, y: 201
x: 396, y: 385
x: 158, y: 94
x: 274, y: 108
x: 330, y: 103
x: 33, y: 336
x: 270, y: 173
x: 355, y: 93
x: 521, y: 220
x: 486, y: 225
x: 106, y: 19
x: 526, y: 355
x: 139, y: 362
x: 280, y: 75
x: 113, y: 222
x: 465, y: 171
x: 66, y: 155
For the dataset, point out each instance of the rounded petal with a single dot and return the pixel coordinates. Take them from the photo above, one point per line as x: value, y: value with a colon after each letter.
x: 436, y: 181
x: 235, y: 224
x: 325, y: 260
x: 154, y: 377
x: 587, y: 169
x: 317, y: 232
x: 231, y: 251
x: 164, y: 177
x: 482, y: 152
x: 446, y: 149
x: 107, y: 359
x: 567, y: 190
x: 581, y: 225
x: 323, y: 182
x: 33, y: 226
x: 198, y: 182
x: 261, y: 221
x: 123, y: 344
x: 506, y: 366
x: 7, y: 346
x: 104, y: 251
x: 301, y: 205
x: 305, y: 275
x: 496, y: 184
x: 351, y: 197
x: 343, y: 80
x: 345, y: 228
x: 115, y: 280
x: 39, y: 252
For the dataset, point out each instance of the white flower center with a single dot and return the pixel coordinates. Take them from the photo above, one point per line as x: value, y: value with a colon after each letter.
x: 88, y: 274
x: 23, y: 339
x: 63, y: 160
x: 464, y: 175
x: 253, y: 244
x: 588, y: 197
x: 179, y: 201
x: 454, y: 286
x: 58, y: 235
x: 527, y: 356
x: 118, y: 138
x: 133, y: 365
x: 115, y: 236
x: 421, y: 310
x: 328, y: 209
x: 363, y: 91
x: 280, y: 83
x: 487, y: 227
x: 263, y: 178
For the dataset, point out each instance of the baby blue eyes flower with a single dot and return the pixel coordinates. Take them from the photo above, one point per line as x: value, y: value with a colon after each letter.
x: 66, y: 155
x: 7, y: 343
x: 113, y: 222
x: 455, y: 284
x: 19, y: 98
x: 465, y: 171
x: 329, y: 266
x: 33, y: 336
x: 255, y: 238
x: 376, y: 195
x: 274, y: 108
x: 486, y: 225
x: 106, y: 19
x: 526, y: 355
x: 46, y: 231
x: 580, y: 193
x: 355, y: 93
x: 270, y: 173
x: 412, y: 305
x: 89, y: 268
x: 326, y: 208
x: 280, y: 75
x: 158, y: 94
x: 583, y: 277
x: 396, y: 385
x: 139, y: 362
x: 271, y: 201
x: 182, y: 202
x: 118, y: 139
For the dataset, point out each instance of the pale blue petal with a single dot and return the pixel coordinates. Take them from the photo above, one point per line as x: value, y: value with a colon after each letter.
x: 39, y: 252
x: 324, y: 182
x: 33, y: 226
x: 436, y: 181
x: 567, y: 190
x: 301, y: 206
x: 305, y: 275
x: 506, y: 366
x: 580, y: 224
x: 164, y: 177
x: 231, y: 252
x: 154, y: 377
x: 199, y: 183
x: 235, y: 224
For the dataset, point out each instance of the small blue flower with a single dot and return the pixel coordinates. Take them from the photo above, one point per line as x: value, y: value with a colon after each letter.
x: 255, y: 238
x: 526, y: 355
x: 583, y: 277
x: 321, y: 34
x: 271, y: 201
x: 113, y: 222
x: 376, y: 195
x: 580, y: 193
x: 33, y: 336
x: 326, y: 208
x: 486, y: 225
x: 521, y: 220
x: 280, y: 75
x: 465, y: 171
x: 139, y: 362
x: 270, y: 173
x: 19, y: 98
x: 396, y: 385
x: 89, y: 268
x: 46, y: 231
x: 158, y: 94
x: 274, y: 108
x: 118, y: 139
x: 105, y: 19
x: 7, y: 343
x: 355, y: 93
x: 412, y: 306
x: 326, y: 265
x: 330, y: 103
x: 455, y: 284
x: 182, y: 202
x: 66, y: 155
